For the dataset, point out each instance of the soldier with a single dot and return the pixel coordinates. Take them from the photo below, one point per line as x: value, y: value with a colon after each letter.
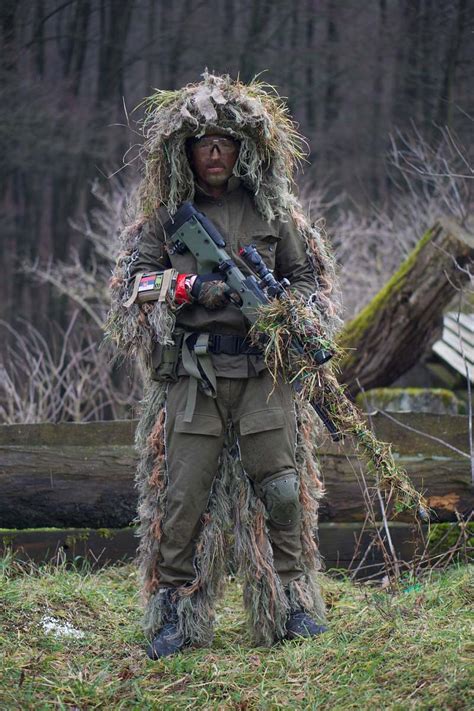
x: 233, y: 461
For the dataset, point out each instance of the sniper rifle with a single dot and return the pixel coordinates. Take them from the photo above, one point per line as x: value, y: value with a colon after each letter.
x: 190, y: 230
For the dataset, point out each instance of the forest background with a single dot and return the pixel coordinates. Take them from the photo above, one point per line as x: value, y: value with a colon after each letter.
x: 379, y: 89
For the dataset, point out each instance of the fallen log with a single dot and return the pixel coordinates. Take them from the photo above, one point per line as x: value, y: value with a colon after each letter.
x: 405, y: 318
x: 81, y: 475
x: 339, y: 544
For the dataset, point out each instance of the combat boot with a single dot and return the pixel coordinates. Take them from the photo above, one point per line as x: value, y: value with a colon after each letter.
x: 300, y: 625
x: 169, y: 640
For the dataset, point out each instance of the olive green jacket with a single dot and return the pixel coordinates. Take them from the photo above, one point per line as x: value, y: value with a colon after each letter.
x: 234, y: 215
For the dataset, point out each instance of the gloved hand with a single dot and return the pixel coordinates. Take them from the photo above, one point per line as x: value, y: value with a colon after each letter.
x: 211, y: 293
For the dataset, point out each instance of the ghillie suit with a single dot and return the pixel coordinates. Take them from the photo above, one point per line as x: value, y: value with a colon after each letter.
x: 270, y: 149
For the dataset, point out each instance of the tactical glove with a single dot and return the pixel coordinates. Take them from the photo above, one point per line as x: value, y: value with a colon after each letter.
x: 210, y: 291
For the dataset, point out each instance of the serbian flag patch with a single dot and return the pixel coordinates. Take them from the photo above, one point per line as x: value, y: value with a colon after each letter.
x: 149, y: 282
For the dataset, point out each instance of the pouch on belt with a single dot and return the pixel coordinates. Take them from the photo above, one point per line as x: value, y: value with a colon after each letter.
x: 165, y: 359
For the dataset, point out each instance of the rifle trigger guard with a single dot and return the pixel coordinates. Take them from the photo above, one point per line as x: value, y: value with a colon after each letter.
x: 235, y: 298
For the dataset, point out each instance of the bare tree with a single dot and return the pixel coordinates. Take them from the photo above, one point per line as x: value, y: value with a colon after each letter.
x: 431, y: 181
x: 70, y: 375
x: 67, y: 378
x: 68, y: 67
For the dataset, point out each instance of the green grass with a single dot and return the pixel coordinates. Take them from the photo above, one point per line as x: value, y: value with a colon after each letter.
x: 383, y: 651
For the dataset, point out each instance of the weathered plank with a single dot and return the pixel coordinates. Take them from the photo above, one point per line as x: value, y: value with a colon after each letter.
x: 456, y: 345
x: 443, y: 481
x: 81, y: 475
x: 452, y: 429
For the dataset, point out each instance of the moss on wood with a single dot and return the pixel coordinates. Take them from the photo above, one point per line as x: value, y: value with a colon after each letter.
x: 353, y: 331
x: 437, y: 400
x: 444, y: 536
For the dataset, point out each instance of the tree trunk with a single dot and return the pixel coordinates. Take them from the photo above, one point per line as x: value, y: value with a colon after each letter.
x: 331, y: 98
x: 309, y: 68
x: 114, y: 28
x: 377, y: 137
x: 404, y: 319
x: 450, y: 63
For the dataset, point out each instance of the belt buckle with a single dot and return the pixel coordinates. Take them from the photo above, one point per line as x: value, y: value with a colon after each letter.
x: 201, y: 347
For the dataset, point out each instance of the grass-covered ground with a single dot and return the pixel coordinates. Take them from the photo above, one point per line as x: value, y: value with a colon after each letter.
x: 383, y: 651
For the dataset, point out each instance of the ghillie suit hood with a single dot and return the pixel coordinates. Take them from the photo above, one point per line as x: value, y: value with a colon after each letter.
x: 270, y: 150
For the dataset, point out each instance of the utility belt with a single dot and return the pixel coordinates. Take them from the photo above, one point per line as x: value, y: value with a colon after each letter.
x: 229, y: 345
x: 194, y: 351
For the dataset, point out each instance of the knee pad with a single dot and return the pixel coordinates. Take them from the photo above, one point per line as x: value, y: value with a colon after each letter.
x: 280, y: 494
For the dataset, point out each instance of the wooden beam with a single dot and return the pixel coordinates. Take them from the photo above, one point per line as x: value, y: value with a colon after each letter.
x: 81, y: 475
x: 337, y: 544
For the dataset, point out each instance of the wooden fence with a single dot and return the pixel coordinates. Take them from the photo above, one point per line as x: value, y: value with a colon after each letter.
x: 78, y: 480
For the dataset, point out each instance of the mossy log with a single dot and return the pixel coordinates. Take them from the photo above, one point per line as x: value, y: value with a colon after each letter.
x: 434, y: 400
x: 337, y: 544
x: 404, y: 319
x: 81, y: 475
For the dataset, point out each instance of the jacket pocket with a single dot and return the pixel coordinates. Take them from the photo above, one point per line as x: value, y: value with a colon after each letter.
x: 266, y: 243
x: 200, y: 424
x: 272, y: 418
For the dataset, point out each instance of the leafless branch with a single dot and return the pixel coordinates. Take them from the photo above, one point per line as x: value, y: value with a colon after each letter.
x: 69, y: 379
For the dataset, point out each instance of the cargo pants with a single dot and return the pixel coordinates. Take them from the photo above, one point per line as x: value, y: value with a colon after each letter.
x: 264, y: 419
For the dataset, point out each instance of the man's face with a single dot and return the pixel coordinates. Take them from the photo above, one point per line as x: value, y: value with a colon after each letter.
x: 213, y: 158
